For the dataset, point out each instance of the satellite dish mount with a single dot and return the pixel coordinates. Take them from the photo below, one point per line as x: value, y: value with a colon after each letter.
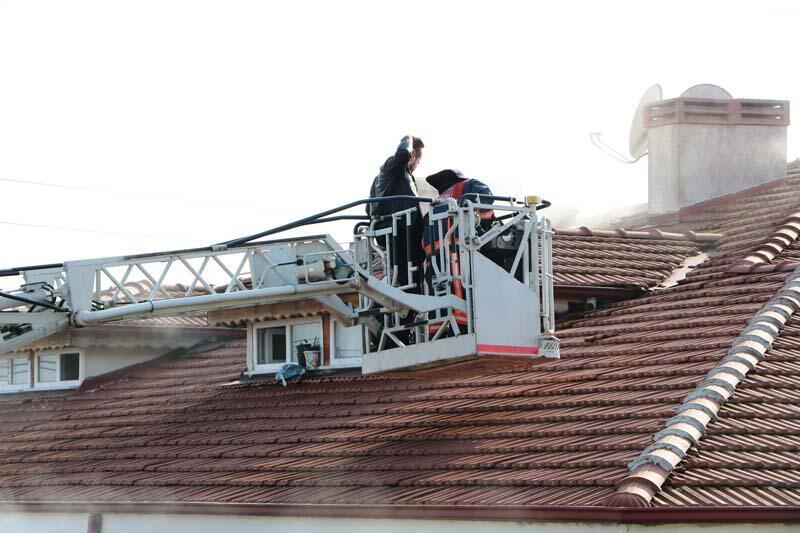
x: 637, y: 141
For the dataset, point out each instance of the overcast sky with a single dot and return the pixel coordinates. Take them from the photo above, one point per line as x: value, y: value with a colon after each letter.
x: 218, y: 119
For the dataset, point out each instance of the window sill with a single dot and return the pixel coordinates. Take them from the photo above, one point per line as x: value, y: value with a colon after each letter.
x: 264, y: 369
x: 336, y: 365
x: 346, y: 363
x: 14, y: 388
x: 58, y: 385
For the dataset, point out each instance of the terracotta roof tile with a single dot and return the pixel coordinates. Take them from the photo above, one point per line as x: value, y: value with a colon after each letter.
x: 565, y: 428
x: 483, y: 432
x: 620, y: 259
x: 184, y: 321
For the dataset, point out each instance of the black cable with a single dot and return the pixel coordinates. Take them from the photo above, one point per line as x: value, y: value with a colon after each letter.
x: 17, y: 271
x: 340, y: 217
x: 29, y: 301
x: 317, y: 218
x: 309, y: 219
x: 208, y: 248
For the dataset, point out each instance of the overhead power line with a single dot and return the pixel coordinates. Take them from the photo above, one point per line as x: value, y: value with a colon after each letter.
x: 144, y: 195
x: 103, y: 232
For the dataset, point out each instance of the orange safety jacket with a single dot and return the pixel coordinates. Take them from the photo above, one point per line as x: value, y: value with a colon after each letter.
x: 431, y: 242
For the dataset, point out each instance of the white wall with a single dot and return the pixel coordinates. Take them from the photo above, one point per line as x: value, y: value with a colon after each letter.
x: 690, y: 163
x: 132, y: 523
x: 101, y: 360
x: 44, y: 522
x: 215, y: 524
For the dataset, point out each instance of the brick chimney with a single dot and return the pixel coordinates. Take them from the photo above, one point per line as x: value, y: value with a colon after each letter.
x: 701, y: 148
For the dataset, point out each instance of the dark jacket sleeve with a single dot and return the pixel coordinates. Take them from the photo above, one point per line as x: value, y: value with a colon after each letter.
x: 392, y: 171
x: 394, y: 168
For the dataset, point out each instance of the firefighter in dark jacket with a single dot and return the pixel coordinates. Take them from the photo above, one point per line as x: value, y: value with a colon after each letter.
x: 396, y: 178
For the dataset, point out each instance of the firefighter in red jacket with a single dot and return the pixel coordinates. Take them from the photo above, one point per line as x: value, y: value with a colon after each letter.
x: 451, y: 184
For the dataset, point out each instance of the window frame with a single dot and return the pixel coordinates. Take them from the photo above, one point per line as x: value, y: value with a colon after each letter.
x: 274, y: 367
x: 19, y: 386
x: 55, y: 385
x: 343, y: 362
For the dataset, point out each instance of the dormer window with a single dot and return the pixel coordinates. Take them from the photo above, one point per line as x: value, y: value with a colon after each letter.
x: 14, y: 373
x: 58, y: 370
x: 317, y: 342
x: 41, y: 370
x: 271, y: 345
x: 295, y: 341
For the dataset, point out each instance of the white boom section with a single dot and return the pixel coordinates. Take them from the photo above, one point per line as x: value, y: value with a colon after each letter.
x: 129, y: 287
x: 465, y: 296
x: 109, y: 289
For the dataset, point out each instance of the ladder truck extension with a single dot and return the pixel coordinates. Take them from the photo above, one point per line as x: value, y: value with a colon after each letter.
x: 485, y: 291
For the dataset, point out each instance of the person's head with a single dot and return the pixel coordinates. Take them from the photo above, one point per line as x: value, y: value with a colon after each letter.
x: 416, y: 154
x: 444, y: 179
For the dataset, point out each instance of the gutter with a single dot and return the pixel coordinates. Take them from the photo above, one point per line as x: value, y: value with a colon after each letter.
x: 621, y: 515
x: 168, y: 331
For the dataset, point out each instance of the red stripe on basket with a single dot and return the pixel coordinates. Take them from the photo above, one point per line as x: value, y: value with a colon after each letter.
x: 505, y: 348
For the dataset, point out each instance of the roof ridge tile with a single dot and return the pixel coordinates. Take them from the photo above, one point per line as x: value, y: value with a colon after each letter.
x: 650, y: 471
x: 781, y: 237
x: 652, y: 234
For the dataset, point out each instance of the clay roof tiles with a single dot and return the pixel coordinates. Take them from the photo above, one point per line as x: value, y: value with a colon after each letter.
x: 485, y: 432
x: 621, y: 258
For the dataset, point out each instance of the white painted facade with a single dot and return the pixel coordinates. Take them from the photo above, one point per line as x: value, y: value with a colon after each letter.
x: 175, y: 523
x: 100, y: 361
x: 101, y: 349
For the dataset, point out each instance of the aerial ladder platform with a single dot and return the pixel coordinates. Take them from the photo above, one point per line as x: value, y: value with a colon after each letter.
x: 486, y: 291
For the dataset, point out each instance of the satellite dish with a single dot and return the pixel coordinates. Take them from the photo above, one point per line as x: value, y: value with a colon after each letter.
x: 707, y: 90
x: 637, y: 141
